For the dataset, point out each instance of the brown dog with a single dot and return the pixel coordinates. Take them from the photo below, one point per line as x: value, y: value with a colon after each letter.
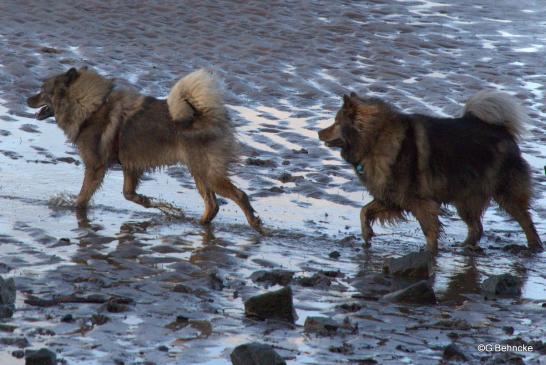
x: 191, y: 127
x: 415, y: 163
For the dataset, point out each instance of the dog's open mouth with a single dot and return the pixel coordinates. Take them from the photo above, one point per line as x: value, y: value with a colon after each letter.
x: 44, y: 112
x: 338, y: 142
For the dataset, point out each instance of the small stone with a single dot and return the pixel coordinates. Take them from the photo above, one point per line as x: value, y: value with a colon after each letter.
x: 317, y: 280
x: 6, y: 311
x: 334, y: 254
x: 117, y: 305
x: 419, y: 293
x: 180, y: 288
x: 20, y: 342
x: 323, y: 326
x: 509, y: 330
x: 67, y: 318
x: 255, y: 354
x: 40, y: 331
x: 272, y: 305
x: 4, y: 268
x: 345, y: 349
x: 18, y: 354
x: 163, y: 348
x: 7, y: 291
x: 260, y: 162
x: 505, y: 358
x: 272, y: 277
x: 415, y: 264
x: 40, y: 357
x: 453, y: 352
x: 502, y: 285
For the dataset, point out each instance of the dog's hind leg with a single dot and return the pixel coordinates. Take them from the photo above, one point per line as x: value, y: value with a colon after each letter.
x: 516, y: 203
x: 211, y: 204
x: 131, y: 179
x: 225, y: 188
x: 91, y: 182
x: 427, y: 212
x: 471, y: 211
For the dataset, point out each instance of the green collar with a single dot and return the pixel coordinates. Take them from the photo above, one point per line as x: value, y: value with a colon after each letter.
x: 359, y: 169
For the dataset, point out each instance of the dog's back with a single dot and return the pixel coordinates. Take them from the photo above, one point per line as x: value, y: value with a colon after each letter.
x: 466, y: 155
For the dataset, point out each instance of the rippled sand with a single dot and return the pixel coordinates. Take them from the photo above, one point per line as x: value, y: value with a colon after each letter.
x: 285, y: 66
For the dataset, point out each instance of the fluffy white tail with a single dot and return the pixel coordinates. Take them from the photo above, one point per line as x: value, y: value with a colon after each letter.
x: 498, y: 108
x: 198, y: 93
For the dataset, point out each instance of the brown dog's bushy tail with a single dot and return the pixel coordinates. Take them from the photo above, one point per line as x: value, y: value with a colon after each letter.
x: 499, y: 108
x: 198, y: 94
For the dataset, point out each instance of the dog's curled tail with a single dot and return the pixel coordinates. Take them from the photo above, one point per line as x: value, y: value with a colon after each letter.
x: 499, y: 108
x: 197, y: 94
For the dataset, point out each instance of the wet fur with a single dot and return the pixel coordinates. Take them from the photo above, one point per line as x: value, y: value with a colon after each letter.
x: 144, y: 133
x: 415, y: 163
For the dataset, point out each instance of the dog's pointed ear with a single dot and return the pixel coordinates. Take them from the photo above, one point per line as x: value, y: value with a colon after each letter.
x: 353, y: 95
x: 346, y: 100
x: 70, y: 76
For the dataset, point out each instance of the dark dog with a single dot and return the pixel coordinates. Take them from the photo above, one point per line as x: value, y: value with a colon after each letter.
x: 415, y: 163
x: 191, y: 127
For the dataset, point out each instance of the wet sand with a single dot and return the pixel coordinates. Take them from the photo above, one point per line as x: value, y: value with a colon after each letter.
x: 285, y: 66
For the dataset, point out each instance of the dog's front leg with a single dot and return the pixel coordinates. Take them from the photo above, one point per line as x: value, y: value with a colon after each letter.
x: 91, y: 182
x: 367, y: 216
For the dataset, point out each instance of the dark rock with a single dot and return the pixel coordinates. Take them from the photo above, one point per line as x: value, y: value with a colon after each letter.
x: 40, y: 331
x: 6, y: 311
x: 317, y: 280
x: 163, y: 348
x: 505, y: 358
x: 453, y: 352
x: 334, y: 254
x: 215, y: 282
x: 509, y: 330
x: 404, y: 349
x: 7, y: 291
x: 345, y: 349
x: 286, y: 177
x: 502, y: 285
x: 4, y: 268
x: 49, y: 50
x: 367, y: 361
x: 415, y: 264
x: 323, y: 326
x: 352, y: 307
x: 272, y: 277
x: 40, y: 357
x: 419, y: 293
x: 255, y: 354
x: 301, y: 150
x: 20, y: 342
x: 118, y: 305
x: 259, y: 162
x: 18, y: 354
x: 181, y: 288
x: 67, y: 318
x: 373, y: 285
x: 272, y: 305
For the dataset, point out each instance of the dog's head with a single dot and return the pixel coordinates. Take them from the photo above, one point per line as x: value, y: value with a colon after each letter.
x: 53, y: 89
x: 356, y: 119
